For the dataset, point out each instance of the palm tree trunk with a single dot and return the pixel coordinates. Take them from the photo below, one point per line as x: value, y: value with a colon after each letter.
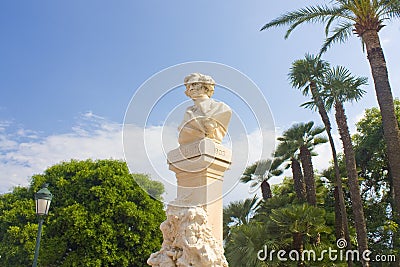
x: 266, y: 190
x: 298, y: 246
x: 394, y: 243
x: 341, y: 221
x: 298, y: 180
x: 339, y: 229
x: 306, y: 163
x: 355, y: 195
x: 384, y: 95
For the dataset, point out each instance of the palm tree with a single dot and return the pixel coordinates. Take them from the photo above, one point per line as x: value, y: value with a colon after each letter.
x: 340, y: 86
x: 245, y: 242
x: 365, y: 19
x: 305, y: 75
x: 287, y: 150
x: 300, y: 221
x: 303, y: 137
x: 238, y: 213
x: 259, y: 173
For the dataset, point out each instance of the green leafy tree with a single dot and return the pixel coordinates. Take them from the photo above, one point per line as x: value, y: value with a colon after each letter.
x: 18, y: 228
x: 373, y: 164
x: 364, y: 18
x: 277, y: 224
x: 99, y: 216
x: 153, y: 188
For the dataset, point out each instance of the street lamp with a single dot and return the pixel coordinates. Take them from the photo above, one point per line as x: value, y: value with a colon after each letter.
x: 42, y: 199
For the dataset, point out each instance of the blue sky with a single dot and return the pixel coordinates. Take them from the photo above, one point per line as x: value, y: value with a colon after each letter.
x: 68, y: 69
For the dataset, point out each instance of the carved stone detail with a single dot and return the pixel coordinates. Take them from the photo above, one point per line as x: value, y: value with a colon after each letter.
x: 188, y: 240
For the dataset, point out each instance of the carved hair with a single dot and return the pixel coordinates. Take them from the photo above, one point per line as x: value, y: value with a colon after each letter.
x: 207, y: 82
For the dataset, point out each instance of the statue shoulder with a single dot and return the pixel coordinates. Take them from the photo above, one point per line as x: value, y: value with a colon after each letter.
x: 219, y: 105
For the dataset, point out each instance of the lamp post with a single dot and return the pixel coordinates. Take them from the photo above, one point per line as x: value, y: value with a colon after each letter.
x: 42, y: 199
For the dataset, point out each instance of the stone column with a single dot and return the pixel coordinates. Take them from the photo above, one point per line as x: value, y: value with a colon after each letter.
x: 199, y: 169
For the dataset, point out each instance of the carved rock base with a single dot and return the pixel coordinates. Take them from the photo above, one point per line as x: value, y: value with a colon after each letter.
x: 188, y: 240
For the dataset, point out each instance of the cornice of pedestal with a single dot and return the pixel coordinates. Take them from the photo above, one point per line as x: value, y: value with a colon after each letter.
x: 200, y: 156
x: 205, y: 146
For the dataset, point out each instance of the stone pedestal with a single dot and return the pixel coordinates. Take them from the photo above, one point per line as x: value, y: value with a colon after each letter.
x: 199, y: 169
x: 193, y: 232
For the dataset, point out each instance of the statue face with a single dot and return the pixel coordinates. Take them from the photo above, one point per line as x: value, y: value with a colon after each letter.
x: 196, y: 90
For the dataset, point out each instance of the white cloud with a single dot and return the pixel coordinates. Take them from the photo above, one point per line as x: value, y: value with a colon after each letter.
x: 96, y: 138
x: 24, y: 153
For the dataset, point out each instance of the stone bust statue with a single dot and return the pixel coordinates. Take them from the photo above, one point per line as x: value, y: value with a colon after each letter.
x: 207, y: 118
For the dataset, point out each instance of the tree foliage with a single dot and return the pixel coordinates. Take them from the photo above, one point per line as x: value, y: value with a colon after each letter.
x: 364, y: 18
x: 275, y: 224
x: 283, y: 222
x: 373, y: 164
x: 349, y: 17
x: 99, y: 216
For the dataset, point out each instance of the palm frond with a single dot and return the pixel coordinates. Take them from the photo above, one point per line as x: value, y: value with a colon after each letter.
x: 298, y: 135
x: 312, y: 14
x: 317, y: 130
x: 341, y: 85
x: 240, y: 212
x: 328, y: 24
x: 254, y: 184
x: 328, y: 101
x: 340, y: 35
x: 310, y: 105
x: 308, y: 128
x: 275, y: 165
x: 245, y: 179
x: 305, y: 72
x: 276, y: 172
x: 389, y: 9
x: 320, y: 140
x: 344, y: 14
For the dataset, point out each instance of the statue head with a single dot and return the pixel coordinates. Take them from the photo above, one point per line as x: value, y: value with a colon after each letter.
x: 198, y: 81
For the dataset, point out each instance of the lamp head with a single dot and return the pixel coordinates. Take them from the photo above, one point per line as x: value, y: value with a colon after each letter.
x: 43, y: 199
